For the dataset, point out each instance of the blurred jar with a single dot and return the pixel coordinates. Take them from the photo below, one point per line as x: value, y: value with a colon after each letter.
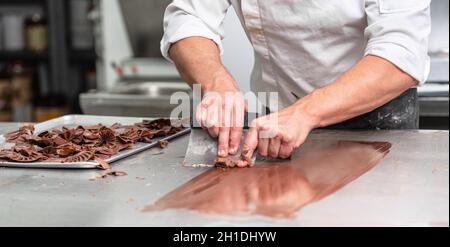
x: 13, y: 32
x: 22, y: 93
x: 49, y: 107
x: 1, y: 32
x: 91, y: 78
x: 5, y: 97
x: 36, y: 32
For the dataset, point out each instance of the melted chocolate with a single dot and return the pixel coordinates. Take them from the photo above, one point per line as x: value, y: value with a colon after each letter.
x: 279, y: 190
x: 225, y: 162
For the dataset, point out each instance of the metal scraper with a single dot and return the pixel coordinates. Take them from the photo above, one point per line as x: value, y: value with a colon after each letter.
x: 202, y: 149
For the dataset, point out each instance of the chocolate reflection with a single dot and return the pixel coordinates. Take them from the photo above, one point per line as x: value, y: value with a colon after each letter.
x: 279, y: 190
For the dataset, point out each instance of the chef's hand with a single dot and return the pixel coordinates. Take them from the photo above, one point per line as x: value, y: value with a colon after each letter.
x: 277, y: 135
x: 221, y: 113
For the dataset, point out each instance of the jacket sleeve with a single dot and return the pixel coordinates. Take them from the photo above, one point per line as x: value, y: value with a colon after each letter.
x: 190, y: 18
x: 398, y: 31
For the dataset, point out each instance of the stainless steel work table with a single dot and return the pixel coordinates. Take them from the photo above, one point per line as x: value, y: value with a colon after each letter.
x: 410, y: 187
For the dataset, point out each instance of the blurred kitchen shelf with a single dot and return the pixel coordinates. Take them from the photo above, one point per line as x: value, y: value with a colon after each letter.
x: 82, y: 56
x: 25, y: 56
x: 22, y: 2
x: 67, y: 68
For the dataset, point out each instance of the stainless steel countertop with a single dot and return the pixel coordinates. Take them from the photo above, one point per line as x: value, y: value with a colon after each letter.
x: 410, y: 187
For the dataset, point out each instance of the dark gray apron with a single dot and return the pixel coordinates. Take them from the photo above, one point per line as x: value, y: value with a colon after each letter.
x: 399, y: 114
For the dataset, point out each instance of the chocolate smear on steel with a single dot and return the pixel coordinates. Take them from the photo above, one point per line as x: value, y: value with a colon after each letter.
x: 277, y: 189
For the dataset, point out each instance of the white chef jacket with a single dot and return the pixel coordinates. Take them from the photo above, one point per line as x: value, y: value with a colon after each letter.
x: 302, y: 45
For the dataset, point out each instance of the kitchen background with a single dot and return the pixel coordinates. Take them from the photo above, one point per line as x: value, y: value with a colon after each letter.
x: 102, y: 57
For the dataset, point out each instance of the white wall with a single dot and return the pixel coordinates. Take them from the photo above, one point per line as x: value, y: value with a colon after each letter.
x: 238, y: 55
x: 238, y: 52
x: 114, y: 45
x: 439, y: 41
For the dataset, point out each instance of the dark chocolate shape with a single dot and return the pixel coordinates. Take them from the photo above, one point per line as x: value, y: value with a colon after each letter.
x: 83, y: 143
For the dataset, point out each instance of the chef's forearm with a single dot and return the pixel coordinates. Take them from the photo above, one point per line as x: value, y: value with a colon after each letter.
x: 198, y: 61
x: 368, y: 85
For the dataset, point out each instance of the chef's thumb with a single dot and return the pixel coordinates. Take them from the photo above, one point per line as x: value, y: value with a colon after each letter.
x: 250, y: 142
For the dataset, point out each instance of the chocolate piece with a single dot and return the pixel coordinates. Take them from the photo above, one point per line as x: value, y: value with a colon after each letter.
x: 94, y: 127
x: 105, y: 175
x: 129, y: 136
x: 125, y: 146
x: 26, y: 129
x: 106, y: 150
x: 19, y: 157
x: 164, y: 131
x: 117, y: 173
x: 89, y: 135
x: 163, y: 144
x: 106, y: 136
x: 154, y: 124
x: 83, y: 143
x: 25, y: 154
x: 49, y: 151
x: 73, y: 135
x: 39, y: 141
x: 225, y: 162
x: 99, y: 175
x: 246, y: 158
x: 4, y: 154
x: 228, y: 162
x: 58, y: 140
x: 79, y: 157
x: 102, y: 164
x: 67, y: 149
x: 145, y: 136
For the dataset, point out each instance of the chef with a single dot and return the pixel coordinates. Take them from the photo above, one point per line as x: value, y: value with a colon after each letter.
x: 352, y: 64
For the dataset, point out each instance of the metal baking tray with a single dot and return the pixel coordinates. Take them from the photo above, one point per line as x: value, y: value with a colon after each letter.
x: 75, y: 120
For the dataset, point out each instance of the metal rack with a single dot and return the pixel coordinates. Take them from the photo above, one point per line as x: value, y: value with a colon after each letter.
x: 60, y: 58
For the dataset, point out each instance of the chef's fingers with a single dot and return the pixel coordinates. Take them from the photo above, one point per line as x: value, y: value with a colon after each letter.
x: 208, y: 100
x: 263, y: 141
x: 296, y: 141
x: 200, y: 115
x: 223, y: 142
x: 285, y: 150
x: 204, y: 113
x: 250, y: 141
x: 212, y: 120
x: 204, y: 117
x: 286, y: 137
x: 213, y: 132
x: 274, y: 147
x: 240, y: 109
x: 289, y: 143
x: 237, y: 128
x: 263, y: 147
x: 235, y: 139
x: 226, y: 112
